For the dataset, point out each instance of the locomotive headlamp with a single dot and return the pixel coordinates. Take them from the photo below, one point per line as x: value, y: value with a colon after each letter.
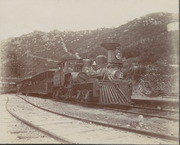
x: 118, y: 55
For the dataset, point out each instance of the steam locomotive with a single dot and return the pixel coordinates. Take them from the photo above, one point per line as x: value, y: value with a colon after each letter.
x: 98, y: 82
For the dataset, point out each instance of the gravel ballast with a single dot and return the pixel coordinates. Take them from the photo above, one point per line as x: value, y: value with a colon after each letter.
x: 112, y: 117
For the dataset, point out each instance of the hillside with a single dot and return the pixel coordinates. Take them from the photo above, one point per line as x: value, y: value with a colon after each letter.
x: 146, y: 46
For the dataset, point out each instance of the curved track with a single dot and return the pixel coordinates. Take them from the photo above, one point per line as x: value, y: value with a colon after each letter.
x: 60, y: 139
x: 152, y: 134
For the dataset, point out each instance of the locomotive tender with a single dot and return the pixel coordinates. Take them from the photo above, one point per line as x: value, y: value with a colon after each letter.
x: 81, y: 80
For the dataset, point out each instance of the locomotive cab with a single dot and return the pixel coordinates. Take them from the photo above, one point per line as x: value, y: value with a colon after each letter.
x: 66, y: 67
x: 69, y: 74
x: 72, y: 65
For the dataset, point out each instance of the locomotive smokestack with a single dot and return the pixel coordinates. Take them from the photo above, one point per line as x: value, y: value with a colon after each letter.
x: 111, y: 47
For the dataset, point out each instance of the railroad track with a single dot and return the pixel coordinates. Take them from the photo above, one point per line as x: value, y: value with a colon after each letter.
x: 24, y: 121
x: 172, y: 115
x: 137, y: 131
x: 145, y: 111
x: 162, y: 104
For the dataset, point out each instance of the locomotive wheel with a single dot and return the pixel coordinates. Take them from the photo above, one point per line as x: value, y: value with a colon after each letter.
x: 68, y: 94
x: 54, y: 93
x: 83, y: 95
x: 78, y: 94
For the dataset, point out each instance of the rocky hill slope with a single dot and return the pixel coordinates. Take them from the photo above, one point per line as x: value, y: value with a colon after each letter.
x: 148, y: 50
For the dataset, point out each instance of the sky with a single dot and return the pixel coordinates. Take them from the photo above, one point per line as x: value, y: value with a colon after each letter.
x: 18, y: 17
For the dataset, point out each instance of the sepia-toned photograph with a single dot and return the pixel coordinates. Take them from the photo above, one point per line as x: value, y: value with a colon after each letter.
x: 89, y: 71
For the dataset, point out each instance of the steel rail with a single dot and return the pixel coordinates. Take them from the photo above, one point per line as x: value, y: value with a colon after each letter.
x: 58, y: 138
x: 140, y: 113
x: 119, y: 109
x: 152, y: 134
x: 147, y: 108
